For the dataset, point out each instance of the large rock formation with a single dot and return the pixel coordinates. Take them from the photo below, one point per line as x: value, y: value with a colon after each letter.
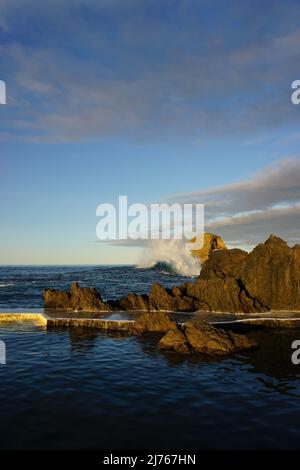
x: 224, y: 264
x: 79, y: 298
x: 230, y: 281
x: 233, y: 281
x: 210, y: 242
x: 271, y: 274
x: 175, y: 340
x: 156, y: 322
x: 198, y: 336
x: 193, y: 336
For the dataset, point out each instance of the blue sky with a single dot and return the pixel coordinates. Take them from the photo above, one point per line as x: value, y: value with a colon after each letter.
x: 152, y: 99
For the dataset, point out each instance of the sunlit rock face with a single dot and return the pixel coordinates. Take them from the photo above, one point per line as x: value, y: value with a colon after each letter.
x: 234, y: 281
x: 209, y: 242
x: 200, y: 337
x: 271, y: 274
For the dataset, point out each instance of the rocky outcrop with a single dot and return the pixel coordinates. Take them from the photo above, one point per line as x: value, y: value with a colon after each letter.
x: 233, y: 281
x: 223, y: 264
x: 230, y: 281
x: 79, y: 298
x: 213, y: 295
x: 175, y: 340
x: 198, y: 336
x: 159, y: 299
x: 271, y: 274
x: 210, y: 242
x: 156, y: 322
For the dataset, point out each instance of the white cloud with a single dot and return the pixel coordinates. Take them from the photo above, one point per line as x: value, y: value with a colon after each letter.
x: 250, y: 210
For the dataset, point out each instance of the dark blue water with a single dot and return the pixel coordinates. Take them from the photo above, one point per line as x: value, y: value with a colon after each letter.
x: 83, y: 388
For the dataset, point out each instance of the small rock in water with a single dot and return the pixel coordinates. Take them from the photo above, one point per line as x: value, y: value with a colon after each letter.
x: 199, y: 336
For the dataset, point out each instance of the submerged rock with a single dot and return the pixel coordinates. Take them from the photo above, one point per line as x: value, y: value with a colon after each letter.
x: 201, y: 337
x: 154, y: 322
x: 271, y: 274
x: 79, y: 298
x: 175, y: 340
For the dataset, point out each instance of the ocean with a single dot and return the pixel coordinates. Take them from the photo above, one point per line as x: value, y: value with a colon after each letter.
x: 87, y: 389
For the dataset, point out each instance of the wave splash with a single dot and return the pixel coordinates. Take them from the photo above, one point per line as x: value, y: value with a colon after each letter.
x: 170, y: 257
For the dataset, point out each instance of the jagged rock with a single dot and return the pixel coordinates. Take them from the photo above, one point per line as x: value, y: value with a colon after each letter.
x: 79, y: 298
x: 175, y: 340
x: 155, y: 322
x: 224, y: 263
x: 271, y: 274
x: 222, y: 295
x: 56, y: 299
x: 204, y: 338
x: 230, y: 281
x: 132, y: 302
x: 201, y: 337
x: 160, y: 298
x: 210, y: 243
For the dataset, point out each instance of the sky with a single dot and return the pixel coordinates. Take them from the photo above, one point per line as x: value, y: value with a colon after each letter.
x: 159, y: 100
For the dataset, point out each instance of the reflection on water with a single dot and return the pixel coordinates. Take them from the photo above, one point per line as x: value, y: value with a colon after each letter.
x: 82, y: 388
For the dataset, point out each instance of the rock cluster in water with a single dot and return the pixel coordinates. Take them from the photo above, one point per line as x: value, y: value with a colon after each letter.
x: 210, y: 242
x: 234, y: 281
x: 193, y: 336
x: 201, y: 337
x: 79, y: 298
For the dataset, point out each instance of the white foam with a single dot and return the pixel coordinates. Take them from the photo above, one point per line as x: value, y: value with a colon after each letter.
x: 172, y: 252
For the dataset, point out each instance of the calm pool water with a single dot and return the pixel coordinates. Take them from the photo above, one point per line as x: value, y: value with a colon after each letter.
x: 84, y: 389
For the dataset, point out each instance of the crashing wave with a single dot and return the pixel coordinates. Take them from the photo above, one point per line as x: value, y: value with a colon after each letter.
x: 164, y: 267
x: 171, y: 257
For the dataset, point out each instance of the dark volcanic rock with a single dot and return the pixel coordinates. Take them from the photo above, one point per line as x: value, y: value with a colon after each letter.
x: 79, y: 298
x: 217, y: 295
x: 175, y: 340
x: 223, y: 263
x: 234, y: 281
x: 271, y: 274
x: 160, y: 298
x: 198, y: 336
x: 207, y: 339
x: 155, y: 322
x: 132, y: 302
x: 230, y: 281
x: 56, y: 299
x: 210, y: 242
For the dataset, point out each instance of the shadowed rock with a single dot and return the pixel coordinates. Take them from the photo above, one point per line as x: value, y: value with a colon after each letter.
x: 199, y: 336
x: 224, y: 263
x: 271, y: 274
x: 230, y: 281
x: 233, y: 281
x: 132, y: 302
x: 154, y: 322
x: 175, y: 340
x: 79, y: 298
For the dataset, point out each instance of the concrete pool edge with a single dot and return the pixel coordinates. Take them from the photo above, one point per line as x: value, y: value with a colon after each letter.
x: 43, y: 319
